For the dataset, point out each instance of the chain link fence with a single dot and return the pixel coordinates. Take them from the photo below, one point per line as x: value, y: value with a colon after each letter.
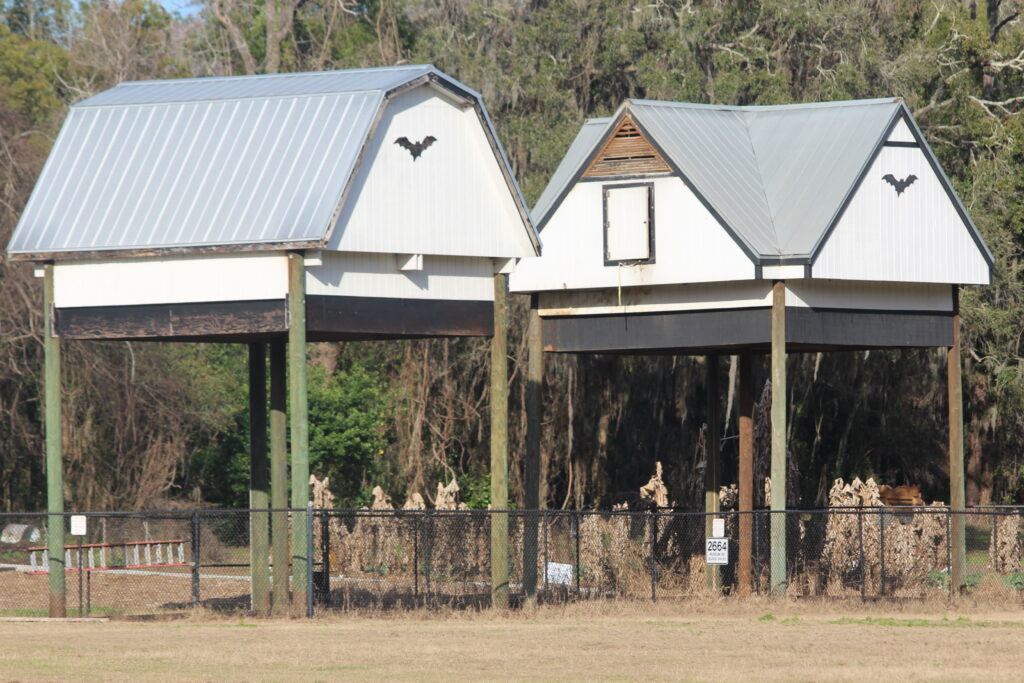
x: 367, y: 559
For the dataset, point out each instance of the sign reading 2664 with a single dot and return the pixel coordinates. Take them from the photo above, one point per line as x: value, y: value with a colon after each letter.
x: 716, y: 551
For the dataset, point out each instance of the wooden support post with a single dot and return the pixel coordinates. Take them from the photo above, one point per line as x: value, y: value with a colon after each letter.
x: 259, y: 483
x: 746, y: 475
x: 299, y: 427
x: 778, y: 516
x: 53, y: 432
x: 279, y: 476
x: 712, y: 441
x: 499, y: 445
x: 531, y: 473
x: 957, y: 495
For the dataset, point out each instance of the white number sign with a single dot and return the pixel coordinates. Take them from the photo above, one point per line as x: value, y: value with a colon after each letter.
x: 716, y: 551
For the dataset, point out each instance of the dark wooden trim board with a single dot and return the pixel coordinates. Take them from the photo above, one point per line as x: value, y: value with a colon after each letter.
x: 328, y: 318
x: 210, y: 321
x: 734, y: 330
x: 339, y: 318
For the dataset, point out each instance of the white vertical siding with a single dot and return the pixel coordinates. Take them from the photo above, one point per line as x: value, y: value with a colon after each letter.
x: 830, y: 294
x: 378, y: 275
x: 916, y: 236
x: 901, y: 132
x: 869, y: 296
x: 690, y: 245
x: 452, y: 200
x: 245, y: 277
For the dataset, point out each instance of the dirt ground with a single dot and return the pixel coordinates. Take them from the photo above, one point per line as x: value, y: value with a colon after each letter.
x: 768, y: 641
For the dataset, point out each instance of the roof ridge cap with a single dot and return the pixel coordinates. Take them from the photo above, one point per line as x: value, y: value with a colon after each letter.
x: 285, y: 74
x: 743, y: 116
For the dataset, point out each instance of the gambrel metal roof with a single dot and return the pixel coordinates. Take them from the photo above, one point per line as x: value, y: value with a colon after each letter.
x: 776, y: 177
x: 209, y: 163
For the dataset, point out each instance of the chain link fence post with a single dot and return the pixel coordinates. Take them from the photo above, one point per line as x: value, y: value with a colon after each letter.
x: 652, y: 525
x: 578, y: 568
x: 881, y: 552
x: 309, y: 560
x: 863, y: 563
x: 416, y: 558
x: 949, y: 550
x: 195, y: 557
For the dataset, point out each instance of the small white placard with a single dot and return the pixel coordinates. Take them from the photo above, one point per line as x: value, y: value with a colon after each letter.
x: 78, y: 525
x: 716, y: 550
x: 559, y: 574
x: 718, y: 527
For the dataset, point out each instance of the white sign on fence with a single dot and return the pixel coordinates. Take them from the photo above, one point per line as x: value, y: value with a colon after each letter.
x: 559, y: 574
x: 78, y: 525
x: 716, y: 550
x: 718, y: 527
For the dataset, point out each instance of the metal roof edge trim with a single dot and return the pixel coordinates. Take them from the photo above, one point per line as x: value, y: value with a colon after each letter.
x: 140, y: 252
x: 368, y: 134
x: 767, y: 107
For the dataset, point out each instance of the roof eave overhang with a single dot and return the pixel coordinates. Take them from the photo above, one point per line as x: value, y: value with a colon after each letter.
x: 150, y: 252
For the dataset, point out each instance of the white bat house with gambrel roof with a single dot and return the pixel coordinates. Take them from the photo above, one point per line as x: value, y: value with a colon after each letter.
x: 168, y: 207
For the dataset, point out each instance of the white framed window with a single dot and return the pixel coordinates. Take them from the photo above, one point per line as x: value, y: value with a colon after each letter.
x: 628, y: 223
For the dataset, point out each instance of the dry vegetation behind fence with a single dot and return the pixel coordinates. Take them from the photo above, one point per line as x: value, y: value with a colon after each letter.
x: 383, y: 559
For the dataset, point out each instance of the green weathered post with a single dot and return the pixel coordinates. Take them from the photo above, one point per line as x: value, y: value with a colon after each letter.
x: 299, y: 425
x: 259, y: 484
x: 531, y: 469
x: 279, y: 476
x: 711, y: 464
x: 54, y: 459
x: 499, y: 445
x: 778, y: 515
x: 957, y: 493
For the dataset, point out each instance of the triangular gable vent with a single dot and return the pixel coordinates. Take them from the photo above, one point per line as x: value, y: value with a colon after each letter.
x: 627, y: 153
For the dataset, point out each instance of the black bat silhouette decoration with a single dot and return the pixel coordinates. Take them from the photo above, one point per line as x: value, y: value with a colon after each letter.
x: 899, y: 185
x: 415, y: 148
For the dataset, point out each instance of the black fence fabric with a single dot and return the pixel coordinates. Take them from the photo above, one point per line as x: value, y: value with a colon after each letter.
x: 158, y: 561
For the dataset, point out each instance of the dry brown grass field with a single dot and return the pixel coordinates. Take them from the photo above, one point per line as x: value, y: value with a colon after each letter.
x: 769, y: 641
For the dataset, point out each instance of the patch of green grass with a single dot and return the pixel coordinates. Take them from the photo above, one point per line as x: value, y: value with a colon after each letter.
x: 766, y: 617
x: 1015, y: 580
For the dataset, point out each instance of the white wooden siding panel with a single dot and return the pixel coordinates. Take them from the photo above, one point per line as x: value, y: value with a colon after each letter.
x: 452, y: 200
x: 914, y: 237
x: 705, y: 296
x: 833, y: 294
x: 869, y: 296
x: 901, y: 133
x: 170, y: 280
x: 690, y: 245
x: 379, y: 275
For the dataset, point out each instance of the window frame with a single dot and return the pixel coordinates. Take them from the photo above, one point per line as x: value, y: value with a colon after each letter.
x: 605, y: 189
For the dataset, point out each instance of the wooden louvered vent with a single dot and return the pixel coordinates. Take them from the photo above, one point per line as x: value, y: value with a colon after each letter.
x: 627, y: 153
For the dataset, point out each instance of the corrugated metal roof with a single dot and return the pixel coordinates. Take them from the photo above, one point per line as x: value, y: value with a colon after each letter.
x: 775, y: 176
x: 208, y: 162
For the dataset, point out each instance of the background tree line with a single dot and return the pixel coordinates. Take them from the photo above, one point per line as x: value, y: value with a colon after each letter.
x: 153, y: 424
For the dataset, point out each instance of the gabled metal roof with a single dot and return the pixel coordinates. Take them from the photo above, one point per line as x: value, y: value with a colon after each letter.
x: 208, y: 163
x: 776, y: 177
